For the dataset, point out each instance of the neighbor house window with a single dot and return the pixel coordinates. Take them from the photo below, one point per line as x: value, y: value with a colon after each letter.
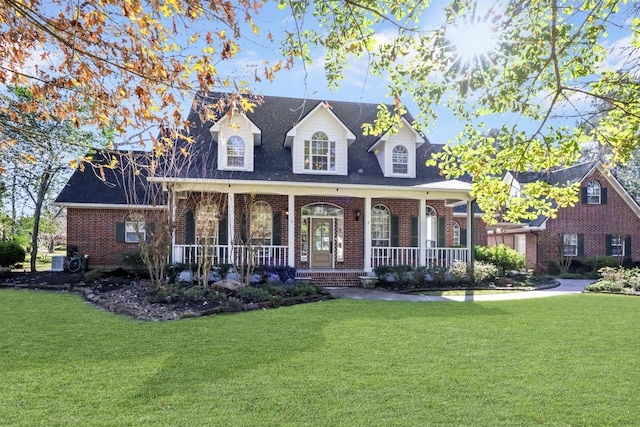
x: 134, y: 228
x: 380, y: 226
x: 593, y: 193
x: 456, y: 234
x: 617, y: 245
x: 261, y: 225
x: 570, y: 244
x: 432, y: 227
x: 235, y: 151
x: 400, y: 159
x: 320, y: 153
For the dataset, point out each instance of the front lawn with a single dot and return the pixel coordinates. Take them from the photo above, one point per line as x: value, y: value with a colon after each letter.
x: 566, y: 360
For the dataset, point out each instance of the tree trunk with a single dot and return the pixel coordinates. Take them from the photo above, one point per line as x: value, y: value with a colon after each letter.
x: 43, y: 188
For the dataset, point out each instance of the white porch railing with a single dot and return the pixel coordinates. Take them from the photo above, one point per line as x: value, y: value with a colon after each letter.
x: 394, y: 256
x: 435, y: 257
x: 237, y: 255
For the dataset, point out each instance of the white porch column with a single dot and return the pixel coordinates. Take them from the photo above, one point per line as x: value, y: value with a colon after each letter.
x: 422, y: 233
x: 470, y: 233
x: 291, y: 231
x: 366, y: 217
x: 172, y: 221
x: 231, y: 220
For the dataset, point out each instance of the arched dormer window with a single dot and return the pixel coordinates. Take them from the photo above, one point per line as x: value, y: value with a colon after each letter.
x: 261, y: 223
x: 593, y: 193
x: 380, y: 226
x: 319, y: 153
x: 400, y: 159
x: 235, y: 151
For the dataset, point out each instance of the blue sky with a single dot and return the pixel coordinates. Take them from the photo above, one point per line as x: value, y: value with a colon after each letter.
x: 358, y: 85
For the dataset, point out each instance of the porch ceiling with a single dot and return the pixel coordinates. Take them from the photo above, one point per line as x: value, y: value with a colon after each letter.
x: 453, y: 194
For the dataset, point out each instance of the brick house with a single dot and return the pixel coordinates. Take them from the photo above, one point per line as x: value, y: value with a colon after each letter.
x: 606, y: 220
x: 291, y: 182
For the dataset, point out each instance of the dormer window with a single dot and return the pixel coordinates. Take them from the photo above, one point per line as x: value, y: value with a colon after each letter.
x: 593, y: 193
x: 319, y: 153
x: 235, y: 152
x: 400, y: 159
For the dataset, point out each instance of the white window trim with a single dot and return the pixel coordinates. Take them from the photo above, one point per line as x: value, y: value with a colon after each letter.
x: 568, y: 240
x: 456, y: 233
x: 332, y: 161
x: 134, y: 228
x: 597, y: 197
x: 619, y: 244
x: 395, y: 163
x: 243, y: 156
x: 385, y: 227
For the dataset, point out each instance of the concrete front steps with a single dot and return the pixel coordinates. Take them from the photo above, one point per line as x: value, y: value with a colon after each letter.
x: 331, y: 277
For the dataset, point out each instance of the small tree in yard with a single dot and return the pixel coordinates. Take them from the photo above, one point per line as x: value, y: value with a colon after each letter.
x: 11, y: 253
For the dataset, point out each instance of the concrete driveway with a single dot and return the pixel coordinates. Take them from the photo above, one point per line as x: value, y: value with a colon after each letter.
x: 566, y: 286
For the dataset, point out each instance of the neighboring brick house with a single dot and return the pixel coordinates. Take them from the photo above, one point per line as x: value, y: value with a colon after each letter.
x: 297, y: 182
x: 606, y: 220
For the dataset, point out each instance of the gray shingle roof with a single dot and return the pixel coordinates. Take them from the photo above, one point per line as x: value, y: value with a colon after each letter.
x: 275, y: 116
x: 90, y: 187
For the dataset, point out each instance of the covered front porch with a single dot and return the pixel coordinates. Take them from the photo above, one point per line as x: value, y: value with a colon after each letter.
x: 321, y: 229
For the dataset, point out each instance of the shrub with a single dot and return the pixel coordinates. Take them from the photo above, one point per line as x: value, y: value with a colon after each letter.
x: 251, y: 294
x: 597, y: 262
x: 11, y: 253
x: 501, y: 256
x: 458, y: 270
x: 605, y: 286
x: 483, y: 271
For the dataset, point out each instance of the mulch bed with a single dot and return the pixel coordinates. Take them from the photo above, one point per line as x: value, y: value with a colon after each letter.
x: 126, y: 295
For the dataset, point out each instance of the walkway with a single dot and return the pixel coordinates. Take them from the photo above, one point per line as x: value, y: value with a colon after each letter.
x: 567, y: 286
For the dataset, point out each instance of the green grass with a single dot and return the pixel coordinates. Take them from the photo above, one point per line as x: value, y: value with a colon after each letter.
x: 468, y: 292
x: 566, y: 360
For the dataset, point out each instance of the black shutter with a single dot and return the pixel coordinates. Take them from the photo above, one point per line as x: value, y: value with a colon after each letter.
x: 442, y: 241
x: 243, y: 227
x: 120, y: 232
x: 149, y: 231
x: 395, y: 231
x: 583, y: 195
x: 415, y: 235
x: 189, y: 228
x: 608, y: 248
x: 223, y: 230
x: 463, y: 237
x: 580, y: 244
x: 603, y: 196
x: 627, y: 247
x: 276, y: 238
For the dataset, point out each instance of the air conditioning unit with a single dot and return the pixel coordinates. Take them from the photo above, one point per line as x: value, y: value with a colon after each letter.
x: 57, y: 262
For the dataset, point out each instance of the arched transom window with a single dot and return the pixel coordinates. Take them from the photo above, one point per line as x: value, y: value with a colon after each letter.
x: 235, y: 151
x: 261, y: 223
x: 380, y: 226
x: 593, y: 193
x: 400, y: 159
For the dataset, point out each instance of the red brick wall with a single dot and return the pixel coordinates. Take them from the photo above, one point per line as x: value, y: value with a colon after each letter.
x: 93, y: 231
x: 594, y: 222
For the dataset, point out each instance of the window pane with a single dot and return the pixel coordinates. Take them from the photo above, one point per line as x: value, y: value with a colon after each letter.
x: 400, y: 159
x: 261, y: 223
x: 380, y: 226
x: 235, y: 151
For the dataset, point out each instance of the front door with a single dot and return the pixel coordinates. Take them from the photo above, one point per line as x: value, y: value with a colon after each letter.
x: 321, y: 242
